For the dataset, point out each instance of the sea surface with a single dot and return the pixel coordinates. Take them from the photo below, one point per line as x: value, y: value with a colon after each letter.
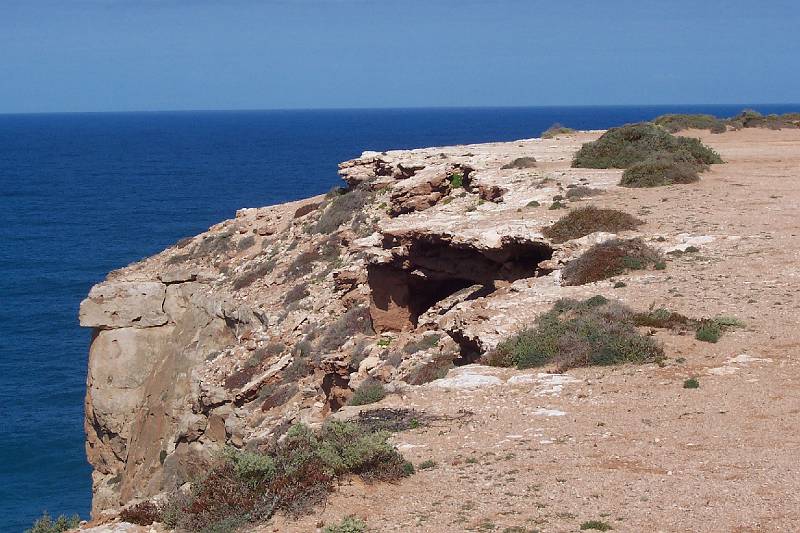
x: 82, y: 194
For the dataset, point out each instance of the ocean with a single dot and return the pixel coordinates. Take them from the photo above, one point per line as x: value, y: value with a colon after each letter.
x: 83, y: 194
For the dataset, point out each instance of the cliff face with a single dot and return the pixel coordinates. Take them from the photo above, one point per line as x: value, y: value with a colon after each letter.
x: 273, y: 316
x: 432, y: 258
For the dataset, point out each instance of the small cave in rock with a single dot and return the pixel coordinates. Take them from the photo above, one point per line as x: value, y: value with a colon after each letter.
x: 435, y: 268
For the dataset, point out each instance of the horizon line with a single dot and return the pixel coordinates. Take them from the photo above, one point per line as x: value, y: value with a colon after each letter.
x: 388, y: 108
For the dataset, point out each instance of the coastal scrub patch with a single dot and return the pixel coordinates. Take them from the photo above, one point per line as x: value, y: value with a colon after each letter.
x: 45, y: 524
x: 297, y: 473
x: 749, y: 118
x: 341, y: 209
x: 662, y: 168
x: 586, y: 220
x: 520, y: 163
x: 555, y: 130
x: 370, y: 391
x: 622, y: 147
x: 597, y: 525
x: 595, y: 331
x: 609, y: 259
x: 349, y: 524
x: 355, y: 320
x: 581, y: 191
x: 252, y: 272
x: 677, y: 122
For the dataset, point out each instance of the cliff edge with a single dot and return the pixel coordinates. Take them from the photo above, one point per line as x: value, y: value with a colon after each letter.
x: 410, y: 277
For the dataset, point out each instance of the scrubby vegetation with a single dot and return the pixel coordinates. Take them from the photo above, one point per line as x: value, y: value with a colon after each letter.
x: 355, y: 320
x: 634, y: 143
x: 242, y: 487
x: 662, y: 168
x: 341, y: 209
x: 520, y: 162
x: 677, y: 122
x: 691, y: 383
x: 370, y: 391
x: 609, y: 259
x: 597, y: 525
x: 252, y: 272
x: 709, y: 331
x: 575, y: 333
x: 585, y: 220
x: 581, y: 191
x: 753, y: 119
x: 348, y: 524
x: 555, y: 130
x: 45, y: 524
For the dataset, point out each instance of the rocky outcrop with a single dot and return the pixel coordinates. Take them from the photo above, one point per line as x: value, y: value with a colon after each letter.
x: 270, y: 318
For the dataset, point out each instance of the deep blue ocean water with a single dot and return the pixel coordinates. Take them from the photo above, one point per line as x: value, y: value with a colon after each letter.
x: 82, y: 194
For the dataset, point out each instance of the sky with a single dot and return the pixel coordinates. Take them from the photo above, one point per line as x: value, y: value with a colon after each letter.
x: 144, y: 55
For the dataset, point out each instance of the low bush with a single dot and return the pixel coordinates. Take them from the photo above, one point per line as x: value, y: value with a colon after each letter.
x: 709, y: 331
x: 143, y: 513
x: 581, y: 191
x: 520, y: 163
x: 677, y: 122
x: 633, y: 143
x: 575, y: 333
x: 598, y: 525
x: 296, y: 293
x: 303, y: 263
x: 661, y: 168
x: 425, y: 343
x: 753, y: 119
x: 341, y: 209
x: 370, y: 391
x: 609, y: 259
x: 253, y: 272
x: 555, y: 130
x: 242, y: 487
x: 45, y: 524
x: 691, y: 383
x: 585, y: 220
x: 348, y: 524
x: 355, y: 320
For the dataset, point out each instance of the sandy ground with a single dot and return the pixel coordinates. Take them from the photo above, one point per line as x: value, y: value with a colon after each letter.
x: 629, y: 445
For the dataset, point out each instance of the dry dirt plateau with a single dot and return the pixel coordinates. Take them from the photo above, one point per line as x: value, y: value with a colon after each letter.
x: 514, y: 450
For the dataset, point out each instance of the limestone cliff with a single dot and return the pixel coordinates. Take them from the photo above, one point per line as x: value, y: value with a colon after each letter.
x: 277, y: 315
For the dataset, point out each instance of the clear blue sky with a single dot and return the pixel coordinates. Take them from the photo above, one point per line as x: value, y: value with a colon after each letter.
x: 101, y: 55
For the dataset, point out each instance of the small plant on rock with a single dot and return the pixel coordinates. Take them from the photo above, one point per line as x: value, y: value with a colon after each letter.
x: 597, y: 525
x: 370, y: 391
x: 691, y: 383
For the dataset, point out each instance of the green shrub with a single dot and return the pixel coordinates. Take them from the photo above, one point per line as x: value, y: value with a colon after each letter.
x: 348, y: 524
x: 708, y: 331
x: 675, y: 123
x: 749, y: 118
x: 662, y: 168
x: 520, y: 163
x: 609, y: 259
x: 354, y: 321
x: 252, y: 272
x: 622, y: 147
x: 425, y: 343
x: 586, y: 220
x: 297, y: 473
x: 691, y: 383
x: 341, y: 209
x: 599, y: 525
x: 556, y: 130
x: 574, y: 333
x: 533, y: 203
x: 45, y: 524
x: 427, y: 464
x: 370, y: 391
x: 457, y: 180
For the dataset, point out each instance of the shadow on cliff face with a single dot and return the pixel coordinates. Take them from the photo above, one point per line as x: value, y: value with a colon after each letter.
x: 434, y: 268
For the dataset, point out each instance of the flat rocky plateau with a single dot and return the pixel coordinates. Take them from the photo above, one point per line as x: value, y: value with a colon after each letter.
x: 196, y: 347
